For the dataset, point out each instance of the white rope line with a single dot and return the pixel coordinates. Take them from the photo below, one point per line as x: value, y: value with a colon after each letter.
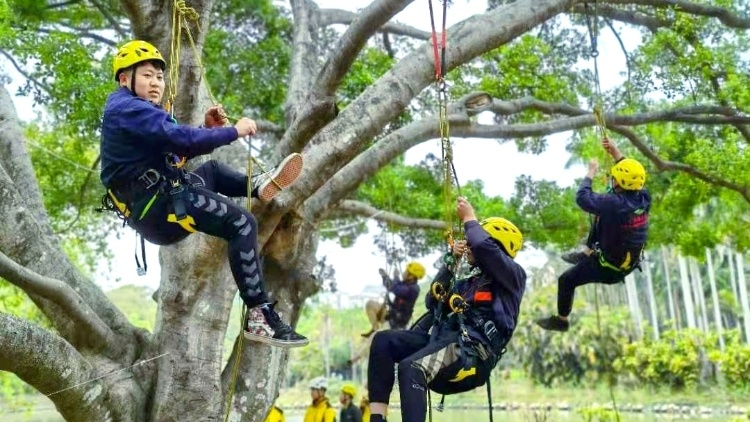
x: 108, y: 374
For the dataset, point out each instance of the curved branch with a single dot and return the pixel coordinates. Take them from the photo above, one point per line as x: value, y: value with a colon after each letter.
x: 351, y: 42
x: 345, y: 17
x: 361, y: 121
x: 366, y: 210
x: 112, y: 21
x: 264, y: 126
x: 40, y: 85
x: 63, y: 296
x: 663, y: 164
x: 627, y: 16
x: 381, y: 153
x: 50, y: 364
x: 725, y: 16
x: 81, y: 33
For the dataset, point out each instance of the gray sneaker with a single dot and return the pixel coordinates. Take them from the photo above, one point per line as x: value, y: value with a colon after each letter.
x: 267, y: 185
x: 553, y: 323
x: 574, y: 257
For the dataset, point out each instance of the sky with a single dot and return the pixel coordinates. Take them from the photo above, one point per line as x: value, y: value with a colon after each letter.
x: 497, y: 165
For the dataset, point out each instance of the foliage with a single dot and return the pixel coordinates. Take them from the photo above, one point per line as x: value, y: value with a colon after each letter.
x: 136, y: 303
x: 674, y: 360
x: 734, y: 361
x: 337, y: 331
x: 247, y: 55
x: 552, y: 359
x: 598, y: 414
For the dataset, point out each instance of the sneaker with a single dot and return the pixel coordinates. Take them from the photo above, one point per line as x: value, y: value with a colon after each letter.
x: 574, y: 257
x: 553, y: 323
x: 268, y: 185
x: 265, y: 325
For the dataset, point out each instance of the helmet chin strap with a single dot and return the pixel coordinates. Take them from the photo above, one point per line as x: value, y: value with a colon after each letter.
x: 132, y: 79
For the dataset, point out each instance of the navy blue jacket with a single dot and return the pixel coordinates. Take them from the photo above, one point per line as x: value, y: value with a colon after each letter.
x: 621, y: 224
x: 402, y: 306
x: 136, y: 135
x: 496, y: 289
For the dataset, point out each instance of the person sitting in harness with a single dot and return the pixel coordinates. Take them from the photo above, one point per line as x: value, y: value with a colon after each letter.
x: 618, y: 233
x: 455, y: 346
x: 141, y: 149
x: 399, y: 309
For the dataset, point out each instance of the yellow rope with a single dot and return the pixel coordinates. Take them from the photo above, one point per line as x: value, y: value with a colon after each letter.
x: 448, y: 169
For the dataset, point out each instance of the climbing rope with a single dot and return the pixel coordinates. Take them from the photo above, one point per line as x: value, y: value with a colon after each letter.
x: 182, y: 16
x: 449, y: 169
x: 592, y: 23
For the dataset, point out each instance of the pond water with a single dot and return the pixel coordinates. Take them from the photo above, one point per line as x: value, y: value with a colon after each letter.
x: 531, y: 416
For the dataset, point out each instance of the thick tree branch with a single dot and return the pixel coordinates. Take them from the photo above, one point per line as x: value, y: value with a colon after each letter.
x: 366, y: 210
x: 319, y: 105
x: 345, y: 17
x: 62, y: 295
x: 304, y: 62
x: 351, y: 42
x: 727, y: 17
x: 381, y: 153
x: 362, y: 120
x: 50, y: 364
x: 264, y: 126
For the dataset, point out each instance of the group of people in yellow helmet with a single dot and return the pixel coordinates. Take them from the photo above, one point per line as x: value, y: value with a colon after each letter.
x: 321, y: 409
x: 469, y: 321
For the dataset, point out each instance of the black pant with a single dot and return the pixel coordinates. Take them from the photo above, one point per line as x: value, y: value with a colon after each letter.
x: 587, y: 271
x: 211, y: 213
x: 418, y: 362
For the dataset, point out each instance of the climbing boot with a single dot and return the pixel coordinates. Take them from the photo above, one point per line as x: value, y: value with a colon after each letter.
x: 265, y: 325
x: 553, y: 323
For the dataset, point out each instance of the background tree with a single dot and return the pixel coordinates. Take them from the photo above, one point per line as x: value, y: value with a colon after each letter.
x: 352, y: 103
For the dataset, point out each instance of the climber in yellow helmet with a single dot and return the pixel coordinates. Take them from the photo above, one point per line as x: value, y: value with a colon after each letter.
x: 398, y: 306
x: 618, y: 234
x: 457, y: 344
x: 142, y: 152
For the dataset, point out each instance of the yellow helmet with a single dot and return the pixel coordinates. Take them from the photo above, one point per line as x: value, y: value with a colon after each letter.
x: 416, y: 269
x: 504, y: 232
x: 629, y: 174
x: 349, y: 389
x: 135, y: 52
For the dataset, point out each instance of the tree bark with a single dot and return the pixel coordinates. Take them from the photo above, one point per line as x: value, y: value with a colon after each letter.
x: 651, y: 298
x: 670, y: 297
x: 687, y: 292
x: 743, y: 295
x: 715, y: 298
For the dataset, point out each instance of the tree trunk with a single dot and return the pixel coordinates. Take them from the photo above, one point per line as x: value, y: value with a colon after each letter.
x: 651, y: 298
x: 700, y: 296
x: 635, y: 307
x: 670, y: 297
x: 743, y: 296
x: 715, y: 298
x: 687, y: 294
